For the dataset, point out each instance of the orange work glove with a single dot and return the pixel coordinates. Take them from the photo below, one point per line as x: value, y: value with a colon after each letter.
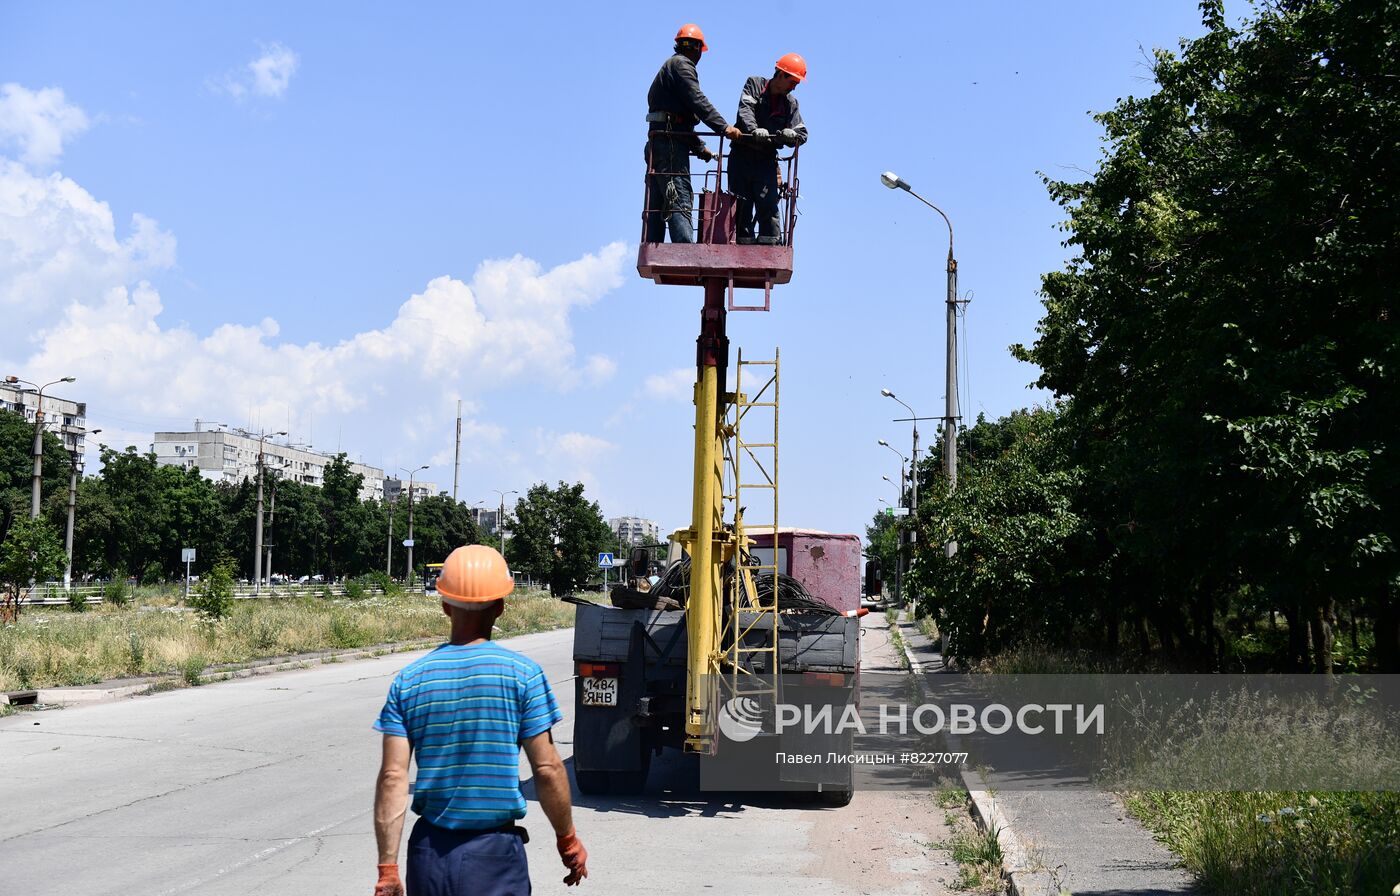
x: 575, y: 857
x: 389, y: 883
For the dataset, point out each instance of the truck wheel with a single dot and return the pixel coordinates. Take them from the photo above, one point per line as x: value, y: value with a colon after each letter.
x: 835, y: 798
x: 593, y: 783
x: 632, y: 783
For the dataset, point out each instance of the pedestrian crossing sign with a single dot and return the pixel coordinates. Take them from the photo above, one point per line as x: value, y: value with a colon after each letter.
x: 605, y: 561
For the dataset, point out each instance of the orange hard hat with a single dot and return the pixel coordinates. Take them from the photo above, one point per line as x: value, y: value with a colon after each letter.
x: 794, y: 65
x: 474, y: 574
x: 692, y: 32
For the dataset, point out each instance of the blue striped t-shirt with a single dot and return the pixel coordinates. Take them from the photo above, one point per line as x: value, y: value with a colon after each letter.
x: 465, y: 709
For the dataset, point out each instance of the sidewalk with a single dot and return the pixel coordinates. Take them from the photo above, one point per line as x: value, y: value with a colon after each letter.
x: 1082, y: 842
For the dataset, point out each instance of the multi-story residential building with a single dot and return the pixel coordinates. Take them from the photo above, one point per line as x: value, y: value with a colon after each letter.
x: 395, y: 487
x: 488, y: 521
x: 65, y: 419
x: 635, y: 530
x: 231, y: 455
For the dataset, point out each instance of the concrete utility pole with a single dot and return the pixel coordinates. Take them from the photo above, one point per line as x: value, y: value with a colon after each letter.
x: 258, y: 524
x: 271, y: 518
x: 457, y: 457
x: 408, y: 576
x: 74, y: 471
x: 899, y: 554
x: 501, y: 517
x: 389, y: 556
x: 38, y: 477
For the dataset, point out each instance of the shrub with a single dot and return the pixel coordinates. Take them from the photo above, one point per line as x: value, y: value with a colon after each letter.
x: 355, y: 588
x: 77, y: 601
x: 214, y: 596
x: 382, y: 581
x: 192, y: 669
x: 136, y: 650
x: 116, y: 593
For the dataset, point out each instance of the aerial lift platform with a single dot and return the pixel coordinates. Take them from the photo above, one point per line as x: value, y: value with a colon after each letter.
x: 729, y: 639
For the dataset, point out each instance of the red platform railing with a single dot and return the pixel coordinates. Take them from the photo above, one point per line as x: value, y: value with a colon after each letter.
x: 712, y: 212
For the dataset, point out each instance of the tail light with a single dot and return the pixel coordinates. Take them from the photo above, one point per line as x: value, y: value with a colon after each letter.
x: 824, y: 679
x: 599, y: 670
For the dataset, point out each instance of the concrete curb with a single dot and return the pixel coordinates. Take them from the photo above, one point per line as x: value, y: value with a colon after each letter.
x: 88, y: 694
x: 1016, y: 862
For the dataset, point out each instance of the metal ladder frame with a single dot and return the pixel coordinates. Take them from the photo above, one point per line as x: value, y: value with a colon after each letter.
x: 743, y: 681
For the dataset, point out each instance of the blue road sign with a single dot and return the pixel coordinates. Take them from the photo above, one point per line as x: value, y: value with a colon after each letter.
x: 605, y: 561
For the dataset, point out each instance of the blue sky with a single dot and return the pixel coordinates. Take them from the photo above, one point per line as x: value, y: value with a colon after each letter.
x: 342, y: 218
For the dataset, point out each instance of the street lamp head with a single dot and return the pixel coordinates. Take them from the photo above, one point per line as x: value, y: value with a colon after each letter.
x: 69, y: 379
x: 887, y: 393
x: 883, y: 442
x: 893, y: 181
x: 11, y: 379
x: 888, y: 479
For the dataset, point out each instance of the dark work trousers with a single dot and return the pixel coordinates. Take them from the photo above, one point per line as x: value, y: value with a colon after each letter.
x: 754, y: 180
x: 669, y: 195
x: 443, y: 862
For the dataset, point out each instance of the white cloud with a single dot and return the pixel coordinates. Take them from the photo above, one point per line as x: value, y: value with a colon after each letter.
x: 598, y: 369
x: 266, y: 76
x: 673, y: 385
x: 38, y: 122
x: 79, y: 296
x: 59, y: 244
x: 578, y: 447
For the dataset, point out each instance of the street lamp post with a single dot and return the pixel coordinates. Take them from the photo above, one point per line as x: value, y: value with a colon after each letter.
x: 902, y: 461
x: 951, y: 416
x: 258, y: 524
x: 408, y: 575
x: 35, y: 486
x: 74, y: 470
x: 501, y: 519
x: 914, y: 418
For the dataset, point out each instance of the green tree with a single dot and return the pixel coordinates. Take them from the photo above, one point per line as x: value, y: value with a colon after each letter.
x: 17, y: 462
x: 213, y: 597
x: 1015, y: 575
x: 348, y: 521
x: 30, y: 552
x: 1225, y: 337
x: 557, y: 536
x: 439, y: 525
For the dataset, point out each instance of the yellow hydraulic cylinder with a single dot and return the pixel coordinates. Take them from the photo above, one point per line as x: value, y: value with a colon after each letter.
x: 703, y: 608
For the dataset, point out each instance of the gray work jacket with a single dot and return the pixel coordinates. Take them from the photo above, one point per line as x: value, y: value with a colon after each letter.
x: 676, y: 92
x: 758, y: 109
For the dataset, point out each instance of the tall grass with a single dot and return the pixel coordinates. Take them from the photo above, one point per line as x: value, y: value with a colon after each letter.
x: 1280, y: 843
x: 1252, y: 843
x: 153, y: 635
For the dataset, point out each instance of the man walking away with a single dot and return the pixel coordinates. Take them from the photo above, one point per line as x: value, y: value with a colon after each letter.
x: 676, y: 103
x: 769, y: 118
x: 464, y: 711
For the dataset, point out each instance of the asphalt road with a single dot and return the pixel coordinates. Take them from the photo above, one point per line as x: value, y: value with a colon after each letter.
x: 264, y: 786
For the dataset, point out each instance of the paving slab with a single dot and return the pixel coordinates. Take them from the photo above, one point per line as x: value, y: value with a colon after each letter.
x: 1078, y: 841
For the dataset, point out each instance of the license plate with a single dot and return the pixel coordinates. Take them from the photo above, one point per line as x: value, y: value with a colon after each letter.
x: 600, y: 692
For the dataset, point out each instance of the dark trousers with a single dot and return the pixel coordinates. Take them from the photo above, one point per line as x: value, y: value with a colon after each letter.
x: 669, y: 194
x: 443, y: 862
x: 754, y: 180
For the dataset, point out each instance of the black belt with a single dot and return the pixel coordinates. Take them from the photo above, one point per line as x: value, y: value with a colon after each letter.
x: 509, y: 827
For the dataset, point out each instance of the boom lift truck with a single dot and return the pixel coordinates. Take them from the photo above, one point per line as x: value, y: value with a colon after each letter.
x: 650, y: 678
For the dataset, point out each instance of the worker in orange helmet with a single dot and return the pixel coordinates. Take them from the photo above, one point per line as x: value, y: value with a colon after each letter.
x: 769, y: 118
x: 463, y: 712
x: 675, y: 105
